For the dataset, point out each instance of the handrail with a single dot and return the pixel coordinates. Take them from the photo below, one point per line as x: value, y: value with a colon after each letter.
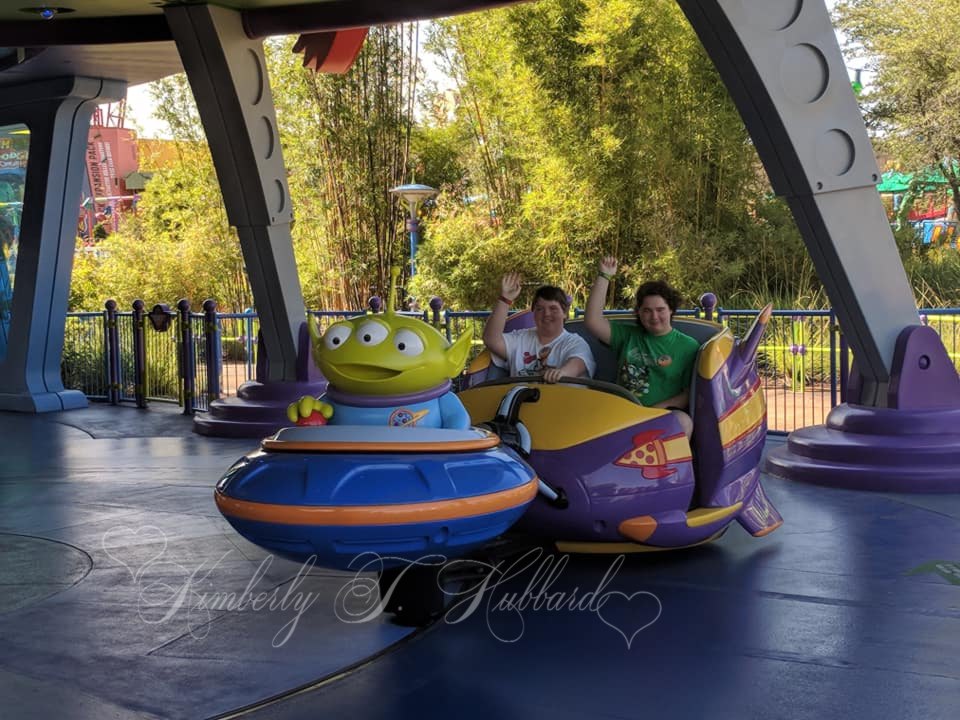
x: 114, y: 355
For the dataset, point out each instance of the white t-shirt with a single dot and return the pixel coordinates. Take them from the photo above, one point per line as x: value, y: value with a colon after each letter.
x: 527, y: 356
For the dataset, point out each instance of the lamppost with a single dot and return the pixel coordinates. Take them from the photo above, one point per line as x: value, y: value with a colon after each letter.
x: 413, y: 195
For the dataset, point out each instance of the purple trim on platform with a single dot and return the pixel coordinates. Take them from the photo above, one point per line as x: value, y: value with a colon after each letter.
x: 876, y: 449
x: 344, y: 398
x: 259, y: 409
x: 865, y: 420
x: 913, y: 446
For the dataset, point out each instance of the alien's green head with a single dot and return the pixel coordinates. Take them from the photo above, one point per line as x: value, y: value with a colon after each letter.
x: 387, y: 354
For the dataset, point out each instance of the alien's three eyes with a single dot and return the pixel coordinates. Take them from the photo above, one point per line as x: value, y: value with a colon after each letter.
x: 369, y: 334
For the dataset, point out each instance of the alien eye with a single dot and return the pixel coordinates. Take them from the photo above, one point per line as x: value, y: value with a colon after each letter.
x: 371, y: 333
x: 408, y: 342
x: 336, y: 336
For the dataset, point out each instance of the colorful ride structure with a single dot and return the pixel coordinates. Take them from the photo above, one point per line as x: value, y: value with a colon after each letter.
x: 384, y: 470
x: 626, y: 477
x: 398, y: 472
x: 342, y: 493
x: 388, y: 471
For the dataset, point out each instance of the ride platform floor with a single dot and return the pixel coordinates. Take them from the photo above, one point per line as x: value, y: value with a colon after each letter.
x: 124, y: 594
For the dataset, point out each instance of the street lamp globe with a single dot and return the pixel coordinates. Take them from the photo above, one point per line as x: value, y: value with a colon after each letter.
x: 413, y: 195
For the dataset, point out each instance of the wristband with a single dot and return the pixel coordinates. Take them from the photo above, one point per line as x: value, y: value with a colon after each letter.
x: 505, y: 300
x: 606, y: 276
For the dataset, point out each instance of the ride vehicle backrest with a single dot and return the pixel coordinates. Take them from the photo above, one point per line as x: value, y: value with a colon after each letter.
x: 482, y: 369
x: 699, y: 330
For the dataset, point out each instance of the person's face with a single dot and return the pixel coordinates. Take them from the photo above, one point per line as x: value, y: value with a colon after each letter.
x: 548, y: 316
x: 654, y: 315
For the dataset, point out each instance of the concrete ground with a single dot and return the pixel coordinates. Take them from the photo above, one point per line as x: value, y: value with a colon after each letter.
x: 124, y: 594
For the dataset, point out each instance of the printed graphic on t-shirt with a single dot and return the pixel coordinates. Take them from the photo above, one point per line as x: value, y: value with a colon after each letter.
x: 635, y: 370
x: 535, y: 364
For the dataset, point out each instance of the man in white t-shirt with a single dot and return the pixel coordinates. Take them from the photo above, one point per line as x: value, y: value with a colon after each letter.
x: 546, y: 349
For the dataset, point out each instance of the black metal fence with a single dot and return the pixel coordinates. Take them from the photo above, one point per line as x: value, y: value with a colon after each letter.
x: 191, y: 358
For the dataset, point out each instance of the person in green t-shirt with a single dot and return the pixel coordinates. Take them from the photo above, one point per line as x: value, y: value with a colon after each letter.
x: 655, y: 360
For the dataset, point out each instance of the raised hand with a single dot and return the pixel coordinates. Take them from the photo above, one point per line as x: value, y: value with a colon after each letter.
x: 510, y: 286
x: 608, y: 265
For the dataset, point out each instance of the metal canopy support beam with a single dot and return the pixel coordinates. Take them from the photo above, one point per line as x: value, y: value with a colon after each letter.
x: 57, y: 113
x: 782, y: 65
x: 228, y: 75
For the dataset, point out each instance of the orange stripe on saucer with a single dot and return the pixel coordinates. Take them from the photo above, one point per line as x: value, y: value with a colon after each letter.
x: 486, y: 442
x: 324, y: 515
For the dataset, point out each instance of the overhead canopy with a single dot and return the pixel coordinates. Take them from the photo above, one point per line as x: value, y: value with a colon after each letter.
x: 898, y: 182
x: 130, y: 40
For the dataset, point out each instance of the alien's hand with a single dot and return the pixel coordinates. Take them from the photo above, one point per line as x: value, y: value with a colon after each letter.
x: 608, y: 265
x: 510, y: 286
x: 309, y: 411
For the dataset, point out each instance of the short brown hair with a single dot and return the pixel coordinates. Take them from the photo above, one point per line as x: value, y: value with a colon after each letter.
x: 551, y: 293
x: 661, y: 288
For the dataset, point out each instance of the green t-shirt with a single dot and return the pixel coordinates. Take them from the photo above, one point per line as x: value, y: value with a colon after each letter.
x: 652, y: 367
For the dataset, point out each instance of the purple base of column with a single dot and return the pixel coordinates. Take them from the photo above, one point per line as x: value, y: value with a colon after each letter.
x: 866, y: 448
x: 259, y: 410
x: 912, y: 445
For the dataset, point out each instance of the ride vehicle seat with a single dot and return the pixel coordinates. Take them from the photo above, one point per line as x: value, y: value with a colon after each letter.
x: 483, y: 369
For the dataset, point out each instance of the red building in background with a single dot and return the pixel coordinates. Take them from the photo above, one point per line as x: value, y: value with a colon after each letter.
x: 113, y: 180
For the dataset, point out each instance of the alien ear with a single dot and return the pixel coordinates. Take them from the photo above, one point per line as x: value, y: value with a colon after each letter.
x: 314, y: 329
x: 458, y: 352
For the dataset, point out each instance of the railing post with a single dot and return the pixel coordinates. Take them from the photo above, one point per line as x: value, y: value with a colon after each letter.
x: 139, y: 355
x: 708, y: 301
x: 844, y: 366
x: 248, y: 342
x: 211, y: 336
x: 833, y: 358
x: 188, y: 376
x: 113, y: 352
x: 436, y: 304
x: 798, y: 350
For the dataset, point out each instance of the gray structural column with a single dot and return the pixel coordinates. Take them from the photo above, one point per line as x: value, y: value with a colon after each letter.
x: 782, y: 65
x: 228, y: 76
x: 57, y: 113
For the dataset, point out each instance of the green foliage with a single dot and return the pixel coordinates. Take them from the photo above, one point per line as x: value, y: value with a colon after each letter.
x: 934, y: 273
x: 346, y: 141
x: 912, y: 49
x: 83, y: 365
x: 234, y: 349
x: 600, y: 126
x: 465, y: 268
x: 576, y: 128
x: 912, y: 105
x: 177, y: 245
